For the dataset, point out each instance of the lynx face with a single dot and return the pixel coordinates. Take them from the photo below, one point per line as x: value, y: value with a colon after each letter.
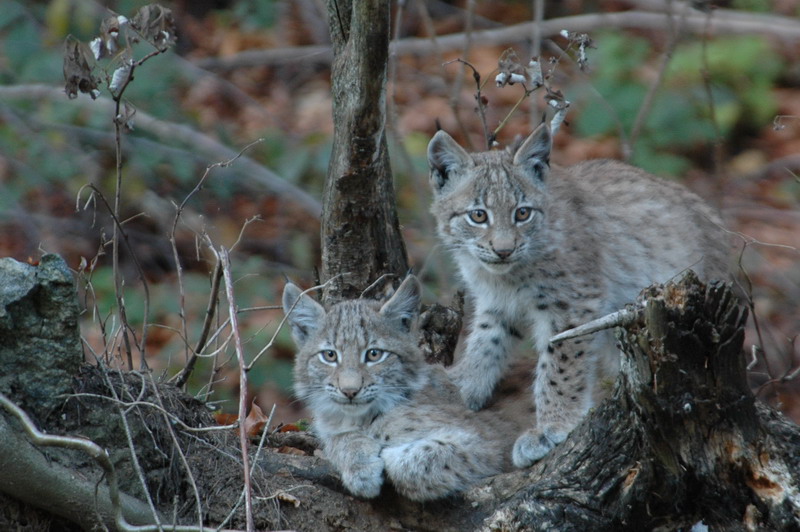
x: 359, y: 359
x: 490, y: 207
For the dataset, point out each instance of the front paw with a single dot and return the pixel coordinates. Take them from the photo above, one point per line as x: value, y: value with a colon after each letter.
x: 534, y: 444
x: 474, y: 395
x: 364, y: 478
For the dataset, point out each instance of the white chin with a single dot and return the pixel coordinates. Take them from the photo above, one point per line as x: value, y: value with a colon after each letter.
x: 497, y: 268
x: 356, y: 409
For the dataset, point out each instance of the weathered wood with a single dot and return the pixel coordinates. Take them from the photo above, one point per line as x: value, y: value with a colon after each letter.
x: 360, y: 232
x: 681, y: 441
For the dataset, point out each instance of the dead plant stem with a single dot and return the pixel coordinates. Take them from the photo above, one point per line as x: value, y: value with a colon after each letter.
x: 237, y: 340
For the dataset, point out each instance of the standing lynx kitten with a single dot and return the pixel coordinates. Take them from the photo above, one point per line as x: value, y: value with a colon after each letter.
x: 544, y: 249
x: 379, y: 409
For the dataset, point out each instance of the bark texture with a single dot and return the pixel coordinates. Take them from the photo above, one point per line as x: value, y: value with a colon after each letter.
x: 681, y: 441
x: 360, y: 233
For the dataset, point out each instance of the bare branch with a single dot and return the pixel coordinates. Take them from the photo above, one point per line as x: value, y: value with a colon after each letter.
x: 676, y: 32
x: 724, y: 22
x: 619, y: 318
x: 172, y: 133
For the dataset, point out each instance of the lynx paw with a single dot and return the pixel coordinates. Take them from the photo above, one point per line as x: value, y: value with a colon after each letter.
x: 364, y: 478
x: 534, y: 444
x: 474, y: 395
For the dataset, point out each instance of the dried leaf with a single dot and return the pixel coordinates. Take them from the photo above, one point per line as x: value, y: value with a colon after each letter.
x: 108, y: 42
x: 300, y: 426
x: 285, y: 449
x: 156, y: 24
x: 119, y: 78
x: 255, y: 421
x: 223, y: 418
x: 285, y: 497
x: 511, y: 70
x: 78, y: 69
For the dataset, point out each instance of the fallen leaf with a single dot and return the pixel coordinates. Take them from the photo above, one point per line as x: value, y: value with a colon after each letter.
x: 285, y: 449
x: 300, y: 426
x: 285, y: 497
x: 255, y: 421
x: 223, y: 418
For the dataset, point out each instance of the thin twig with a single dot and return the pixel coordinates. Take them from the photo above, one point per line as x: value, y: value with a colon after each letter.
x: 173, y: 419
x: 131, y: 446
x: 213, y: 298
x: 286, y: 316
x: 264, y: 434
x: 676, y: 32
x: 181, y: 378
x: 243, y: 438
x: 179, y: 450
x: 513, y: 110
x: 458, y: 82
x: 480, y: 106
x: 121, y: 120
x: 534, y: 117
x: 119, y: 230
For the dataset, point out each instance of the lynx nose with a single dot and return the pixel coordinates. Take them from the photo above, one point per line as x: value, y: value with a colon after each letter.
x: 350, y: 393
x: 503, y: 253
x: 350, y: 383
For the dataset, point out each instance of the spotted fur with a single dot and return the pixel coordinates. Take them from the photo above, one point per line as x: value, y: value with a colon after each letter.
x: 542, y: 249
x: 379, y: 409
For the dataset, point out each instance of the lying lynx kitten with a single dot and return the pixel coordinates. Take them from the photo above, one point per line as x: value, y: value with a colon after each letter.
x: 378, y: 408
x: 543, y: 249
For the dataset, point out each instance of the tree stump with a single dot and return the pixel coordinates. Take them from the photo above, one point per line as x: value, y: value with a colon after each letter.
x: 681, y: 441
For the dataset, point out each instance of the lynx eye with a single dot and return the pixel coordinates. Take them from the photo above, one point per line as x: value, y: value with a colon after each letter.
x: 478, y: 216
x: 328, y: 356
x: 523, y: 214
x: 375, y: 356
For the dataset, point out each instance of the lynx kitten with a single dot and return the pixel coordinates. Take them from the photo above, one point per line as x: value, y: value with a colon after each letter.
x: 378, y: 408
x: 542, y: 249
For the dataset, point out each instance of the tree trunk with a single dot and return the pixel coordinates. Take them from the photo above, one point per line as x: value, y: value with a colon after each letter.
x: 360, y: 233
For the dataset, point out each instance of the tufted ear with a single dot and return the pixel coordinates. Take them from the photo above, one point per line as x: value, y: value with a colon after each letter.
x: 303, y: 313
x: 402, y: 309
x: 534, y: 153
x: 445, y: 156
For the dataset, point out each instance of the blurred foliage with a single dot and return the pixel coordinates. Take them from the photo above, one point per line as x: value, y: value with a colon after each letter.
x: 741, y: 73
x: 252, y: 15
x: 50, y: 149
